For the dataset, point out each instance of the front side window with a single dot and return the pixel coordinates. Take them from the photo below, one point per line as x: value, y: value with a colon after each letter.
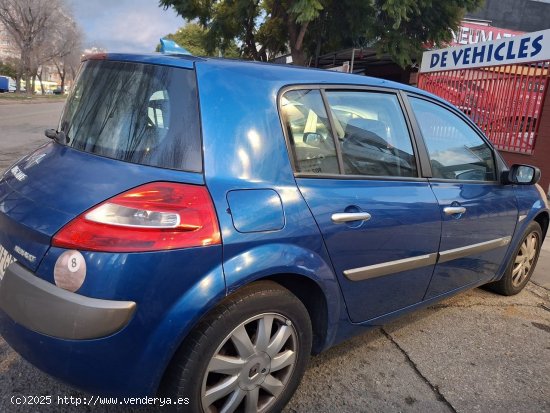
x: 456, y: 151
x: 372, y: 132
x: 309, y: 132
x: 139, y: 113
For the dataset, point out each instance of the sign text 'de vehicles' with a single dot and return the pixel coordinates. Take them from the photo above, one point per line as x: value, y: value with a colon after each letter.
x: 520, y: 49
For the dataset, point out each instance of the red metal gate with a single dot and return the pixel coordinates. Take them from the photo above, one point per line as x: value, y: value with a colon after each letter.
x: 504, y: 101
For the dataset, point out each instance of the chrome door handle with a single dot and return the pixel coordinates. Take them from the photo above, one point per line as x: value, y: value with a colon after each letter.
x: 454, y: 210
x: 342, y: 217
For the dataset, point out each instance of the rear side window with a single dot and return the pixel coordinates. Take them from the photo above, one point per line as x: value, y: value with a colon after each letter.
x: 133, y: 112
x: 366, y: 129
x: 374, y: 137
x: 309, y: 132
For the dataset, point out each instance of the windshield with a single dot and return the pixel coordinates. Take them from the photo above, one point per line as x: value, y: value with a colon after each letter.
x: 139, y: 113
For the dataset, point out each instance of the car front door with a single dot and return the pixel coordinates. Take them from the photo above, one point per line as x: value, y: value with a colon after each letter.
x: 479, y: 214
x: 358, y: 172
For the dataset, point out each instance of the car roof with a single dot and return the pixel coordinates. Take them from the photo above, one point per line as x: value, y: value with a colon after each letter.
x: 291, y: 74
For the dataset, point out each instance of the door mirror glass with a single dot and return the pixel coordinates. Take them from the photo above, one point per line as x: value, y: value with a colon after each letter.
x: 523, y: 175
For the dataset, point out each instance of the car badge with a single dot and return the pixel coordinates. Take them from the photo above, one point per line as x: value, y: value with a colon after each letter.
x: 18, y: 173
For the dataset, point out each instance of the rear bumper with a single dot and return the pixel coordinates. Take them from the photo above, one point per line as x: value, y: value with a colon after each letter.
x: 44, y: 308
x: 172, y: 290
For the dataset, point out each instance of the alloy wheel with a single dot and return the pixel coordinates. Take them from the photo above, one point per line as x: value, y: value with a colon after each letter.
x: 525, y: 258
x: 252, y: 366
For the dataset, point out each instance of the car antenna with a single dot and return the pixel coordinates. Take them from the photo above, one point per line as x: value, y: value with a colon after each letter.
x: 168, y: 46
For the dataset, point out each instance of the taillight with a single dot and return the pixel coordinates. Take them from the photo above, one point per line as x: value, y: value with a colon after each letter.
x: 155, y: 216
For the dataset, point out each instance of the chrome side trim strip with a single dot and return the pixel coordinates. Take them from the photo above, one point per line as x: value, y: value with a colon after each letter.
x: 473, y: 249
x: 406, y: 264
x: 385, y: 268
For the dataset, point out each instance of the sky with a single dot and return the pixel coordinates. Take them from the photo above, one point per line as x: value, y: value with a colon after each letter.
x: 124, y: 25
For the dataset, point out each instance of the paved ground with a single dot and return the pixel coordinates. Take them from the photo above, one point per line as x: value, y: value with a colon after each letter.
x: 541, y: 276
x: 477, y: 352
x: 22, y: 128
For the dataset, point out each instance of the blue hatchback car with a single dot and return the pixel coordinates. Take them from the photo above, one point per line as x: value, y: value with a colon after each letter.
x: 197, y: 228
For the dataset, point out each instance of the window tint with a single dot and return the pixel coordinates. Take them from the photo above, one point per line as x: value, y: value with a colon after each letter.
x: 372, y: 133
x: 308, y: 129
x: 456, y: 151
x: 146, y: 114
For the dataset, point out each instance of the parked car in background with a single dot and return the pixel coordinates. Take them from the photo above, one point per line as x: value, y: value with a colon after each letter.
x: 200, y: 234
x: 7, y: 84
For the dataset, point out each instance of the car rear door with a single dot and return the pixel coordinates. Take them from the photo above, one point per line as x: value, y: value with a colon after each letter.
x: 358, y: 172
x: 479, y: 214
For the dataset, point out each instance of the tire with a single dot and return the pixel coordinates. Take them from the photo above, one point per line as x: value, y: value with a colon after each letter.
x: 522, y: 263
x: 226, y: 351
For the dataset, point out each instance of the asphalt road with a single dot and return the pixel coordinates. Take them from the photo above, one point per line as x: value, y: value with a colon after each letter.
x: 22, y: 128
x: 476, y: 352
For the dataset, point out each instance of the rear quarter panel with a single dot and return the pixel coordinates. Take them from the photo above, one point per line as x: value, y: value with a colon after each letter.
x: 244, y: 149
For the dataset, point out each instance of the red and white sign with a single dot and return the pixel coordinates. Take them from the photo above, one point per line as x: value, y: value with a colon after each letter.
x: 472, y: 33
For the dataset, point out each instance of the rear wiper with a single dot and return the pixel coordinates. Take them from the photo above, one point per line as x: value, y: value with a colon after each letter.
x: 56, y: 136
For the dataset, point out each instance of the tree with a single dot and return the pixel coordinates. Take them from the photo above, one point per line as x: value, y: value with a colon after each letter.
x: 401, y: 28
x: 8, y: 68
x: 193, y: 37
x: 67, y: 49
x: 265, y: 28
x: 26, y: 21
x: 43, y: 31
x: 53, y: 44
x: 67, y: 65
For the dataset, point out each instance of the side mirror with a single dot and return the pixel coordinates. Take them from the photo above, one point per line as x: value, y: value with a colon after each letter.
x: 51, y: 133
x: 521, y: 175
x: 56, y: 136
